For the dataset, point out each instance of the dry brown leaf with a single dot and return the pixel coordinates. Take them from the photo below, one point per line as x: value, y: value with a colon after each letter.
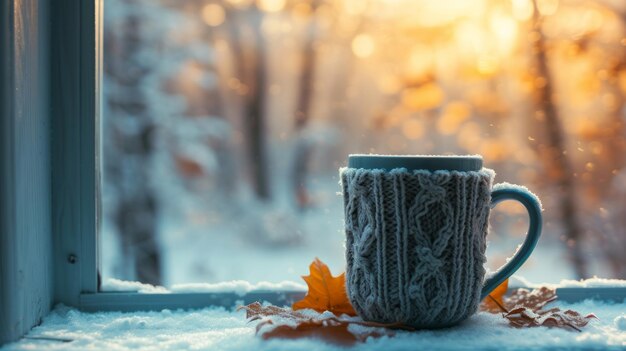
x: 534, y: 300
x: 326, y: 293
x: 494, y: 301
x: 256, y: 311
x: 524, y: 309
x: 525, y: 317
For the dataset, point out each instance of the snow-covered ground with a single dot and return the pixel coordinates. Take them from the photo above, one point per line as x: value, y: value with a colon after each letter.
x: 256, y: 243
x: 226, y: 329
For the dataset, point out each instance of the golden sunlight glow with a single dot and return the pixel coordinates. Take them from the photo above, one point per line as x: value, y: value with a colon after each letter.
x: 522, y: 9
x: 389, y: 84
x: 424, y: 97
x: 213, y: 14
x: 592, y: 20
x: 272, y: 5
x: 420, y: 61
x: 453, y: 115
x: 494, y: 150
x: 504, y: 28
x: 363, y: 46
x: 429, y: 13
x: 355, y: 7
x: 621, y: 80
x: 470, y: 39
x: 547, y: 7
x: 485, y: 46
x: 302, y: 10
x: 487, y: 64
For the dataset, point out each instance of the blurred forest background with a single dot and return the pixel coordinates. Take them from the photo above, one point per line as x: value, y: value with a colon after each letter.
x: 225, y: 123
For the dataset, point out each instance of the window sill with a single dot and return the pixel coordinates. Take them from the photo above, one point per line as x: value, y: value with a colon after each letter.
x: 225, y: 328
x: 132, y: 301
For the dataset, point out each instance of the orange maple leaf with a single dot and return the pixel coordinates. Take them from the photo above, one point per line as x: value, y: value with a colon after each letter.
x: 326, y: 293
x: 494, y: 301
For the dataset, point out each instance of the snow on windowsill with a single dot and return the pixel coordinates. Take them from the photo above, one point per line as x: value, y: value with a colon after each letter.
x: 595, y: 282
x: 219, y: 328
x: 239, y: 287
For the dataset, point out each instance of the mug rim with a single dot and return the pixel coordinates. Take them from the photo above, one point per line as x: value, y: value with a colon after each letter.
x: 462, y: 163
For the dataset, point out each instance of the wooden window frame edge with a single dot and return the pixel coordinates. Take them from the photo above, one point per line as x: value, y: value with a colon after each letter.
x: 76, y: 76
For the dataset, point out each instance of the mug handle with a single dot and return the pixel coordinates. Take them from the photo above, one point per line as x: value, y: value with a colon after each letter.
x: 532, y: 205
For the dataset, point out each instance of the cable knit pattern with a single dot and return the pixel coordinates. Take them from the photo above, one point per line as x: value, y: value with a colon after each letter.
x: 415, y: 243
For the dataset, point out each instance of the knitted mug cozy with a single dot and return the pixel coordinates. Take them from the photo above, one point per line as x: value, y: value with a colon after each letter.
x: 415, y: 243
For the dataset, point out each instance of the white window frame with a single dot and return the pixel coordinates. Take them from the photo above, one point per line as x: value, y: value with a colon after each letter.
x: 76, y: 73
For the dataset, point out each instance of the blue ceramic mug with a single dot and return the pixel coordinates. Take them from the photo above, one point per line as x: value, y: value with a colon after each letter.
x: 416, y: 230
